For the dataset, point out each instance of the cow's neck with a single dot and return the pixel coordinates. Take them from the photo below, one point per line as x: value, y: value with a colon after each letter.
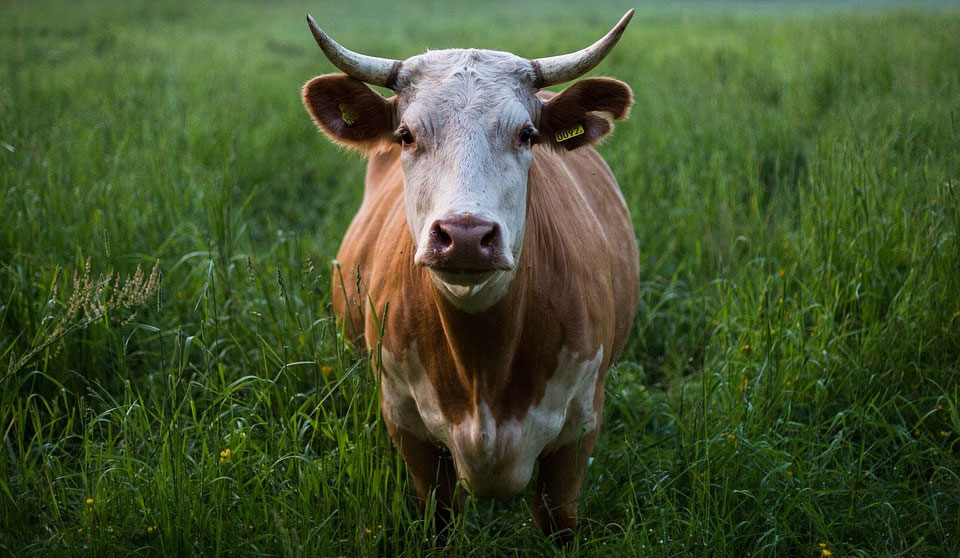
x: 484, y: 344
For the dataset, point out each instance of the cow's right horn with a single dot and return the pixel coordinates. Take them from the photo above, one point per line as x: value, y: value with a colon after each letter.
x: 371, y: 69
x: 566, y: 67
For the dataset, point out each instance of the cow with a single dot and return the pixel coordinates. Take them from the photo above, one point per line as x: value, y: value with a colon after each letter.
x: 492, y: 267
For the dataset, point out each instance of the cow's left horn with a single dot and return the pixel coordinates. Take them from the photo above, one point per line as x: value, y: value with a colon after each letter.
x: 371, y: 69
x: 566, y: 67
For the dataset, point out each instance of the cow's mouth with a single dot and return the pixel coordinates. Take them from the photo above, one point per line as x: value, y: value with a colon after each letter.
x: 463, y: 277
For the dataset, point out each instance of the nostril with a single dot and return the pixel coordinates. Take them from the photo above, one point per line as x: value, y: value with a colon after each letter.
x: 440, y: 239
x: 491, y: 239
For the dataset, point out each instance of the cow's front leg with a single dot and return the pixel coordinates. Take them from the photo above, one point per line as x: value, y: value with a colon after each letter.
x: 432, y: 470
x: 558, y: 487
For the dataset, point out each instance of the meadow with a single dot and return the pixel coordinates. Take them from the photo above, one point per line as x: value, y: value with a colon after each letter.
x: 790, y: 388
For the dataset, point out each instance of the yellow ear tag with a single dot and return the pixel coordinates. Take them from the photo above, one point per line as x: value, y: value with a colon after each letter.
x: 564, y: 135
x: 347, y: 114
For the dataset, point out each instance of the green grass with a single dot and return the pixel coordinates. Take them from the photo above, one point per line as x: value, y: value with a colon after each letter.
x: 792, y: 174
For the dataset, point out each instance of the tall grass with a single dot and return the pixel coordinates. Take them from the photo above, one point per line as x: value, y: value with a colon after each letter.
x: 792, y: 174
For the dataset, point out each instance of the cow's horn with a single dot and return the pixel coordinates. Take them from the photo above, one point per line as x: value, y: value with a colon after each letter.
x: 563, y: 68
x: 371, y: 69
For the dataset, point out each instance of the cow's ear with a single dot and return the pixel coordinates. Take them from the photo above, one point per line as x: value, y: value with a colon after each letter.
x: 583, y: 113
x: 349, y: 112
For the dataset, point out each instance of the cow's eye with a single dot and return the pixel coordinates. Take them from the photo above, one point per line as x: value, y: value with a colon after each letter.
x: 525, y: 135
x: 406, y: 137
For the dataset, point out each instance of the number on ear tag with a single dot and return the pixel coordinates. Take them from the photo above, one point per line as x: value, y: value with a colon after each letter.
x: 564, y: 135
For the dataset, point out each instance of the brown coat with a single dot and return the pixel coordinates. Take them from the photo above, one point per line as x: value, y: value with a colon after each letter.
x: 575, y: 289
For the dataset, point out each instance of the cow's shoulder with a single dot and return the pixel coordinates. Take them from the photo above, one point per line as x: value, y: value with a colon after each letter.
x: 369, y: 250
x: 581, y: 243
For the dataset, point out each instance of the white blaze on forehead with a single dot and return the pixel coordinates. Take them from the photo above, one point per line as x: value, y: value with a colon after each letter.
x: 494, y: 460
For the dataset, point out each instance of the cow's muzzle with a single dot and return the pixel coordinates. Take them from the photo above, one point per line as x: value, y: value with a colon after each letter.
x: 465, y: 245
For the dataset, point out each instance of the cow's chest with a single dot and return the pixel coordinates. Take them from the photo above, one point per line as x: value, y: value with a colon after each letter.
x: 494, y: 458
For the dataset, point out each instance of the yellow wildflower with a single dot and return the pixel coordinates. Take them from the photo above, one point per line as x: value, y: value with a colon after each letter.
x: 150, y: 529
x: 89, y: 501
x: 745, y: 347
x: 743, y: 383
x: 368, y: 531
x: 782, y: 272
x: 326, y: 369
x: 225, y: 456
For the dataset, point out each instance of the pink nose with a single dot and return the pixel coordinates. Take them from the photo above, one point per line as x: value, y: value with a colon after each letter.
x: 465, y: 243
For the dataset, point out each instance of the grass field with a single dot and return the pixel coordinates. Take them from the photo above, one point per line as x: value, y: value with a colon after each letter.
x: 790, y: 389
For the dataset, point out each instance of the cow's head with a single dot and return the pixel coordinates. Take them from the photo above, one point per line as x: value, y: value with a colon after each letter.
x: 466, y: 122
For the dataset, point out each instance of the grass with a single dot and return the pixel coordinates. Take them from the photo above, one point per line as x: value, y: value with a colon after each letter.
x: 791, y: 381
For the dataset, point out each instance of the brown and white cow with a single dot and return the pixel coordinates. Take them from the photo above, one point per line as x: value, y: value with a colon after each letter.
x: 494, y: 250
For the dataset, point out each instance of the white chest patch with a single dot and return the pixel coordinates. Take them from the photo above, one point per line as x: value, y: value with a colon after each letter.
x: 494, y: 460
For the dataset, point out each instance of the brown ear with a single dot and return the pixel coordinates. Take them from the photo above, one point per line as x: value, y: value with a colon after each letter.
x: 583, y: 113
x: 349, y: 112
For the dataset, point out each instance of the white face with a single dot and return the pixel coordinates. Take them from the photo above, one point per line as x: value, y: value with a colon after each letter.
x: 471, y: 117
